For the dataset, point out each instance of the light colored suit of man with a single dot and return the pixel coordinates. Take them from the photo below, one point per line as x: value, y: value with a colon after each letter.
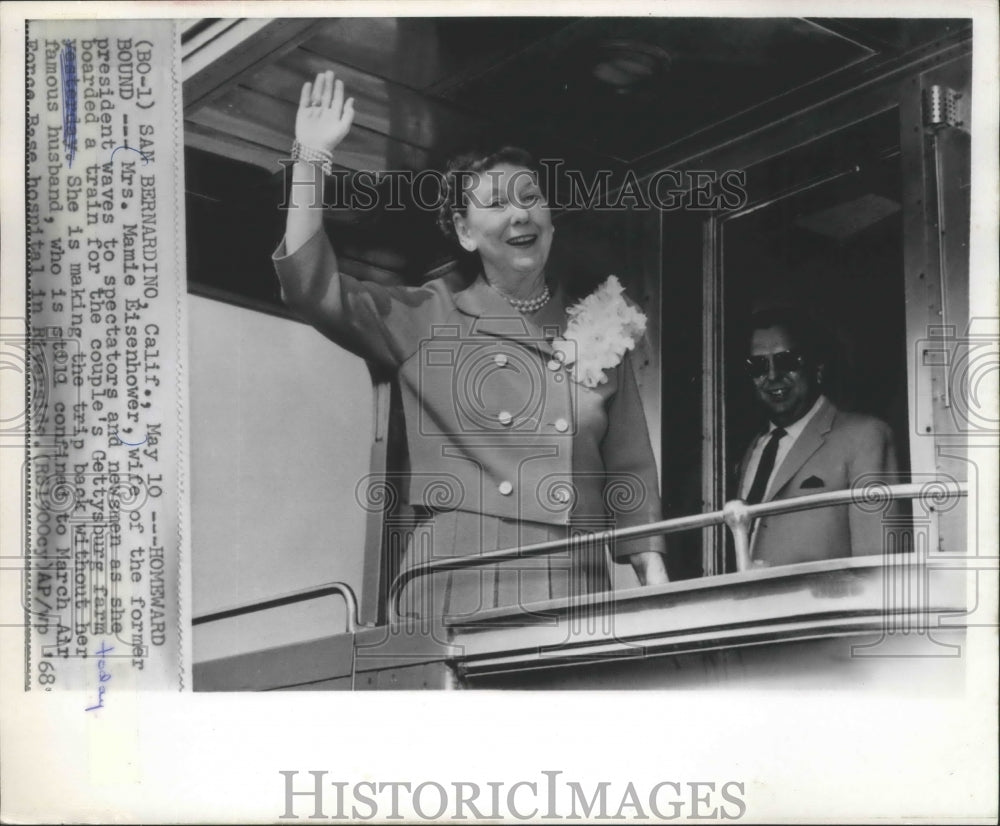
x: 832, y: 452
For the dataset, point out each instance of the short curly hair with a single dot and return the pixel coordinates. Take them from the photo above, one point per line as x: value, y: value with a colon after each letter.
x: 458, y: 174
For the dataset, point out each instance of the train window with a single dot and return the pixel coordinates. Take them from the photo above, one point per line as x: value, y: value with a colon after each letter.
x: 821, y: 231
x: 832, y: 247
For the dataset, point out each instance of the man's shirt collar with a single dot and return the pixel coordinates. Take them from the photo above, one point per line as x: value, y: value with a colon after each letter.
x: 795, y: 428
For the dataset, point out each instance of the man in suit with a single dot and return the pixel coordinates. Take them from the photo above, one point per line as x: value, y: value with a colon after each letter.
x: 809, y: 446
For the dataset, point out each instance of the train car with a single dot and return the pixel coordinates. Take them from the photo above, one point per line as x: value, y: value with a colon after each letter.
x: 707, y: 162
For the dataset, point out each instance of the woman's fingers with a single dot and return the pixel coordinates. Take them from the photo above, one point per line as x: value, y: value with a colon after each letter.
x: 338, y: 96
x: 324, y: 100
x: 317, y: 90
x: 324, y: 117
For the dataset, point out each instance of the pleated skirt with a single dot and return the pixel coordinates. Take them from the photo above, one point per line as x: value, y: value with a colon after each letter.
x: 457, y: 596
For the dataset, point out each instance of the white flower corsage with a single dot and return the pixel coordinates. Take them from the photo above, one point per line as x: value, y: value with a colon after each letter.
x: 601, y: 328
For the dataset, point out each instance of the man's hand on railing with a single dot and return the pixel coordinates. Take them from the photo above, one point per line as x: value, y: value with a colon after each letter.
x: 650, y: 568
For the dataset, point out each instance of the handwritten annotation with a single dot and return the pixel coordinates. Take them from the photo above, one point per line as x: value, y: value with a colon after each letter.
x: 103, y: 675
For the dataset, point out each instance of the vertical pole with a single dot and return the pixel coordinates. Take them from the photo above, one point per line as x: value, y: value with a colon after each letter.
x: 713, y: 454
x: 372, y: 577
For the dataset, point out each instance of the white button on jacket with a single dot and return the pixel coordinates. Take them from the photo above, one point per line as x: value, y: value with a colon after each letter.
x: 436, y: 341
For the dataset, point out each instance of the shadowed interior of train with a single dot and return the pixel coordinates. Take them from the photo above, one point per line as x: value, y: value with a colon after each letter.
x: 822, y: 120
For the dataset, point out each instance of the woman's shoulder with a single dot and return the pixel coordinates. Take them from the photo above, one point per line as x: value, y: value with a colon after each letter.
x: 444, y: 286
x: 441, y: 292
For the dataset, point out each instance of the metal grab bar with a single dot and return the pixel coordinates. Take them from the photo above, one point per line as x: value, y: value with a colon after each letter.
x: 304, y: 595
x: 737, y: 515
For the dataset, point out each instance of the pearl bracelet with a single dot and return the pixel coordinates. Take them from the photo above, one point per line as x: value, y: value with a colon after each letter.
x: 310, y: 155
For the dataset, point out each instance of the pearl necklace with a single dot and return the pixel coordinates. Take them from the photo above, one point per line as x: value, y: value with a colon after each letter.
x: 525, y: 305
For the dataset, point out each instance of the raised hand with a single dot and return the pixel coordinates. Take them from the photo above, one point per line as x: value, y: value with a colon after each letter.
x: 324, y: 118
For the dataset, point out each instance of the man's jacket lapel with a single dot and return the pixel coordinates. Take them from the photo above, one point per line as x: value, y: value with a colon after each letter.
x: 806, y: 445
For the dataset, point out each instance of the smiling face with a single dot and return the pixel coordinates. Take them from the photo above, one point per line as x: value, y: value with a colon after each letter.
x: 787, y: 394
x: 507, y: 222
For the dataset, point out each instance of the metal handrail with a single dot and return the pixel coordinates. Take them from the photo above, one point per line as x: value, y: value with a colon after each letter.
x: 737, y: 515
x: 342, y: 588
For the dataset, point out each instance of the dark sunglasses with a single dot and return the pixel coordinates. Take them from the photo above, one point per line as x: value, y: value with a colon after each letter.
x: 786, y: 361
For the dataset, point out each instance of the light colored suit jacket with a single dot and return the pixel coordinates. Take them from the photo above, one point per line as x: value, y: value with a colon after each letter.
x: 835, y: 450
x: 494, y: 423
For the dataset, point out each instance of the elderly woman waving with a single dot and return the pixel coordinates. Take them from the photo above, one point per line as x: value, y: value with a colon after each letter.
x: 523, y: 418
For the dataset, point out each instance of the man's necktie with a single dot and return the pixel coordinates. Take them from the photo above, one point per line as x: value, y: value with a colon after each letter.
x: 765, y: 467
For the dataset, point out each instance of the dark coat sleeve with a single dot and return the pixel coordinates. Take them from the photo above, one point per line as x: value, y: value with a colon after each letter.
x: 384, y: 325
x: 631, y: 491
